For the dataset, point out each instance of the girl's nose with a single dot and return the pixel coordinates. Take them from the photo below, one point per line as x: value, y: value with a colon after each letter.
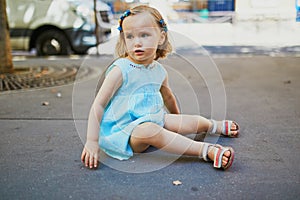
x: 137, y: 42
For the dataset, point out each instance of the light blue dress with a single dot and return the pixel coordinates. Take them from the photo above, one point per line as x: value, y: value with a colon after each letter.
x: 138, y: 100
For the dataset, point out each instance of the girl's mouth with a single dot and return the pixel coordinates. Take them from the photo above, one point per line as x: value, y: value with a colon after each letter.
x: 138, y: 52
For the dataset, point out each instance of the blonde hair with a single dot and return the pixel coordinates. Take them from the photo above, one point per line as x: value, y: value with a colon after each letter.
x: 162, y: 50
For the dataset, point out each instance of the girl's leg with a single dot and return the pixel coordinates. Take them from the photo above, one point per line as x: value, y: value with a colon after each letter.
x: 187, y: 124
x: 148, y: 133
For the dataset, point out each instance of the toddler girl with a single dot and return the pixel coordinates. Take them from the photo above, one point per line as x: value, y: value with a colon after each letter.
x: 128, y: 115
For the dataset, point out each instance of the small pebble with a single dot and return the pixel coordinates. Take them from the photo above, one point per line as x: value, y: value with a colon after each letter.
x: 45, y: 103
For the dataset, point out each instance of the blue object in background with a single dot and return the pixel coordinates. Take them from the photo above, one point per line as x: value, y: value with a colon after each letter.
x: 204, y: 14
x: 297, y: 10
x: 221, y: 5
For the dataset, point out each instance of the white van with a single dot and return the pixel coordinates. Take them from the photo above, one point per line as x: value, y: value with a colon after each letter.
x: 57, y: 27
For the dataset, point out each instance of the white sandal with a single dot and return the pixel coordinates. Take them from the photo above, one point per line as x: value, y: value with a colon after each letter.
x: 218, y: 154
x: 225, y: 129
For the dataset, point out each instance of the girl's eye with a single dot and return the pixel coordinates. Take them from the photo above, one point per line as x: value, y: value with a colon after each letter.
x: 129, y: 36
x: 145, y: 35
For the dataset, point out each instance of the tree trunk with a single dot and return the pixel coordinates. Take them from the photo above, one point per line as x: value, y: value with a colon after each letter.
x: 6, y: 65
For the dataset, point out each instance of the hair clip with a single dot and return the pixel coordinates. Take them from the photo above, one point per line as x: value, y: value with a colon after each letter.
x: 125, y: 14
x: 164, y: 25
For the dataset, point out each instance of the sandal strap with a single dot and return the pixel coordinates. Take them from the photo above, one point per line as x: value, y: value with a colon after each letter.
x: 218, y: 155
x: 226, y: 128
x: 205, y: 151
x: 214, y: 127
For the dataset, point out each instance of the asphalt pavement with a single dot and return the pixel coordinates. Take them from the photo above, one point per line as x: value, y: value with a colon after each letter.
x: 41, y: 144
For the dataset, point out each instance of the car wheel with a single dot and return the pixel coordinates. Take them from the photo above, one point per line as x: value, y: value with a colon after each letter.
x: 52, y: 42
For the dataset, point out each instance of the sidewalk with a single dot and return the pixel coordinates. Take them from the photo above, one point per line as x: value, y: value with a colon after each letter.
x: 249, y: 37
x: 249, y: 33
x: 41, y: 145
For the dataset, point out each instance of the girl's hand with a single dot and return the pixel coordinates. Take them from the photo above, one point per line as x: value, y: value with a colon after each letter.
x: 90, y: 154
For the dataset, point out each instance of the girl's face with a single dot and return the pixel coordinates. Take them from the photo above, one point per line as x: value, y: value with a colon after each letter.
x: 142, y: 37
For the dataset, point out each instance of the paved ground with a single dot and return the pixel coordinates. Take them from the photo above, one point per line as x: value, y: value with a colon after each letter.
x: 41, y: 145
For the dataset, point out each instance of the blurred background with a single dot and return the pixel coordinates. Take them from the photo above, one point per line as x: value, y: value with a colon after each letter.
x: 63, y: 27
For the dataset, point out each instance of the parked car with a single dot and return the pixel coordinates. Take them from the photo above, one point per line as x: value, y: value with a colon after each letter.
x: 57, y: 27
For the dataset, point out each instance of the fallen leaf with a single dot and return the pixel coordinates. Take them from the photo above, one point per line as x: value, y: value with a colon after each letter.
x: 177, y: 182
x: 45, y: 103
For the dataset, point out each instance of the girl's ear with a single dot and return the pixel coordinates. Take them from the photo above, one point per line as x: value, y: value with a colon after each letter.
x: 162, y: 37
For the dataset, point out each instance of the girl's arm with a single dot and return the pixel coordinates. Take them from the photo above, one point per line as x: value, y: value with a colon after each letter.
x: 169, y: 98
x: 112, y: 82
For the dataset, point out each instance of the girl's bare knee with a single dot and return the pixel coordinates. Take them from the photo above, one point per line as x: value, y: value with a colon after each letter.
x: 146, y: 130
x: 143, y: 136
